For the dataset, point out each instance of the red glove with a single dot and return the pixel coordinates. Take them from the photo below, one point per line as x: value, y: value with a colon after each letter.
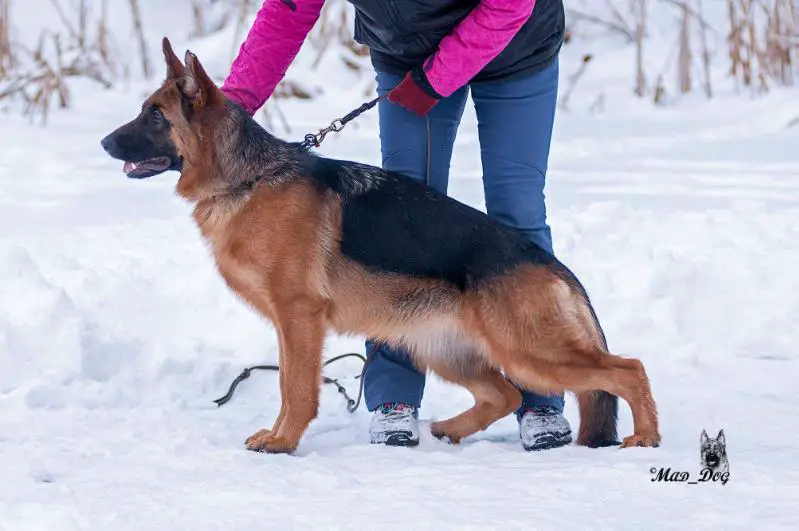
x: 414, y: 93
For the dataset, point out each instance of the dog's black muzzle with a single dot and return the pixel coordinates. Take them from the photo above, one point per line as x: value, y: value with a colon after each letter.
x: 145, y: 153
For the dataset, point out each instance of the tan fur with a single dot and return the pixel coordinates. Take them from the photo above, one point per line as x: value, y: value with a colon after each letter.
x: 276, y: 247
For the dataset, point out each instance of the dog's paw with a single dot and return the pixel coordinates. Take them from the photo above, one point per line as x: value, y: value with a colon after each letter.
x: 651, y: 441
x: 265, y: 441
x: 445, y: 429
x: 257, y: 438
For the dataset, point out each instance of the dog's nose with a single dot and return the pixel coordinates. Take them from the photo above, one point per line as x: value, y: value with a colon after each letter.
x: 108, y: 143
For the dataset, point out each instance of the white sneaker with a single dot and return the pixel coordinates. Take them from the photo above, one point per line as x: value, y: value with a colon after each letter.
x: 543, y: 428
x: 395, y: 424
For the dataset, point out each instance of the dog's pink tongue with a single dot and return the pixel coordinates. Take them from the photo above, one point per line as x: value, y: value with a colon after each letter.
x: 129, y: 167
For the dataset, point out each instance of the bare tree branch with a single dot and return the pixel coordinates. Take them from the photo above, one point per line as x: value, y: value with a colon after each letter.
x: 615, y: 27
x: 640, y: 33
x: 705, y: 51
x: 573, y: 79
x: 241, y: 18
x: 7, y: 62
x: 137, y: 25
x: 685, y: 57
x: 64, y: 20
x: 685, y: 5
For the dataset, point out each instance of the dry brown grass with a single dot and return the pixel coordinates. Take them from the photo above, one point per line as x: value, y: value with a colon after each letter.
x: 761, y: 43
x: 6, y: 58
x: 760, y: 35
x: 639, y: 7
x: 42, y: 82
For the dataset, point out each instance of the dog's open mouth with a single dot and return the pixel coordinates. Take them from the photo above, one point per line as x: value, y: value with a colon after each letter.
x: 712, y: 460
x: 146, y: 168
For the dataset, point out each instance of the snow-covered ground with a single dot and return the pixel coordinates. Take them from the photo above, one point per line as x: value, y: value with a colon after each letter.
x: 116, y: 333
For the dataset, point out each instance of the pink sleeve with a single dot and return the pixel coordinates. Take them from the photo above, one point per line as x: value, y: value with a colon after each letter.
x: 271, y: 45
x: 480, y: 37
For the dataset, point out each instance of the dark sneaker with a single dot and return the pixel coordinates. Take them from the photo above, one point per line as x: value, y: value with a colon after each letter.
x: 395, y: 424
x: 543, y: 428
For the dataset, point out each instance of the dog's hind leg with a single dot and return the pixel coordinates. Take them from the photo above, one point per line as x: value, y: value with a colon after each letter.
x: 645, y: 420
x: 302, y: 331
x: 582, y: 370
x: 542, y: 331
x: 494, y: 398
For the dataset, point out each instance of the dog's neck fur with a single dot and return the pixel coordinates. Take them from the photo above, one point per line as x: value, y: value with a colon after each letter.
x: 249, y: 154
x: 241, y: 155
x: 233, y: 163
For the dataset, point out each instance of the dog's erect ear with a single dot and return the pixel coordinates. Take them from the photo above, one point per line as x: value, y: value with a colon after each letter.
x: 174, y: 68
x: 198, y: 86
x: 704, y: 438
x: 721, y: 438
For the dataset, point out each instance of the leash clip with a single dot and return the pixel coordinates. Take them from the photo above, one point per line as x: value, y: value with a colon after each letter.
x: 334, y: 127
x: 311, y: 141
x: 337, y: 125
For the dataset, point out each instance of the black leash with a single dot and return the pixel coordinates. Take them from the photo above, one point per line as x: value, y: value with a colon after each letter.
x: 352, y: 405
x: 314, y: 140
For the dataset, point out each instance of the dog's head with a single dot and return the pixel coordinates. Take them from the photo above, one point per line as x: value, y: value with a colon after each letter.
x: 713, y: 451
x: 167, y: 132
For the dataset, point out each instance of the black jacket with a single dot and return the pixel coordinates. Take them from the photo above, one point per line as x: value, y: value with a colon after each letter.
x: 401, y: 34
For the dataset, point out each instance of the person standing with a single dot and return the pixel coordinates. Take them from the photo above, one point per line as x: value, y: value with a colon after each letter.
x: 428, y: 56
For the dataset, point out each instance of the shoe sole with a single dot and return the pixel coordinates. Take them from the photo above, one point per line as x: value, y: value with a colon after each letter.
x: 549, y: 441
x: 399, y: 439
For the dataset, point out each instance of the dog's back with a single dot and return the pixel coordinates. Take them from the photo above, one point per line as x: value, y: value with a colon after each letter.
x: 394, y: 224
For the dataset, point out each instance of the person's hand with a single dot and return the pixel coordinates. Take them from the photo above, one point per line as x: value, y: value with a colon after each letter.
x: 411, y: 95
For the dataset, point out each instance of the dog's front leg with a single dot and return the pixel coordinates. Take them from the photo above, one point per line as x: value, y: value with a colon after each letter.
x: 262, y: 435
x: 301, y: 327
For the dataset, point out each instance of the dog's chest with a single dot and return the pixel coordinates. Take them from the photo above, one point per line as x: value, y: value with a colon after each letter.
x: 229, y: 245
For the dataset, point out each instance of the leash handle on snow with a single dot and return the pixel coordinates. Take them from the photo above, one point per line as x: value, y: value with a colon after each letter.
x: 240, y: 378
x: 352, y: 405
x: 315, y: 140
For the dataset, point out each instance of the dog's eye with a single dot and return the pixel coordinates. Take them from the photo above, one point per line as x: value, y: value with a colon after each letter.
x: 158, y: 116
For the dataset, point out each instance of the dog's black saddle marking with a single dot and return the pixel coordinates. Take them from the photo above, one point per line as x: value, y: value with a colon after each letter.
x: 392, y: 223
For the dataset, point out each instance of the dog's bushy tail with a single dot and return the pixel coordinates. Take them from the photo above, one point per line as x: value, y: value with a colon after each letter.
x: 598, y: 409
x: 598, y: 413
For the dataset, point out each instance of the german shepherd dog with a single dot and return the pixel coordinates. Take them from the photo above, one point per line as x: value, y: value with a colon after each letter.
x: 318, y: 245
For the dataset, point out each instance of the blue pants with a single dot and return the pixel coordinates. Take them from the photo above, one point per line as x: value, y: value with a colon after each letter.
x: 515, y: 128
